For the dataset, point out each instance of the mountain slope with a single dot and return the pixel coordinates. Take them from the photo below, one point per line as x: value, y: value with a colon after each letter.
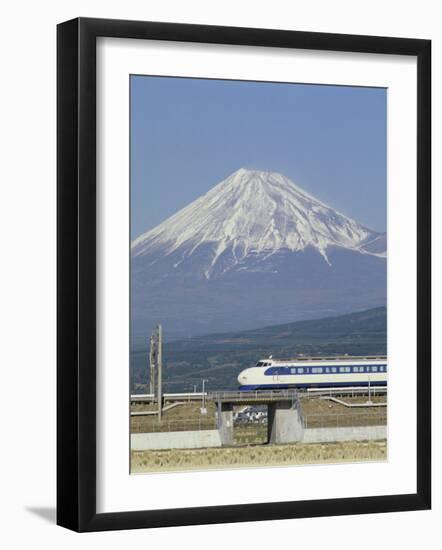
x: 256, y: 249
x: 220, y: 357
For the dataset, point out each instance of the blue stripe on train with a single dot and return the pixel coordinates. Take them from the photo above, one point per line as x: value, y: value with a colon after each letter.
x: 318, y: 370
x: 316, y: 385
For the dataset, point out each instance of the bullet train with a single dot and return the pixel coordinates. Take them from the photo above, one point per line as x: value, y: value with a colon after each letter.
x: 314, y: 372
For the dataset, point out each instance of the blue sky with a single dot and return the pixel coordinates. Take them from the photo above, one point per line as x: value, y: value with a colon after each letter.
x: 189, y: 134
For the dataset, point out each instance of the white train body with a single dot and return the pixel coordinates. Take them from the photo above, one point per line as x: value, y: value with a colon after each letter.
x: 315, y: 372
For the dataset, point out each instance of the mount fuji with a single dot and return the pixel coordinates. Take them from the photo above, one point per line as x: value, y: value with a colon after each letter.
x: 253, y: 251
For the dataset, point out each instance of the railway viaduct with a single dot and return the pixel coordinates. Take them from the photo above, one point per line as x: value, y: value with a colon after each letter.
x: 284, y: 413
x: 285, y: 420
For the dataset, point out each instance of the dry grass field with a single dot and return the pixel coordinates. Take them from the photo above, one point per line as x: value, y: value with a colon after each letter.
x: 182, y: 417
x: 257, y: 456
x: 323, y: 413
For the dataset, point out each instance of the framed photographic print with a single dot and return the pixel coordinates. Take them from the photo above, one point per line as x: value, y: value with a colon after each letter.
x: 243, y: 274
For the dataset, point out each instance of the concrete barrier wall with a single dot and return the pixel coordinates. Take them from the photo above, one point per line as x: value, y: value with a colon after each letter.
x: 356, y: 433
x: 196, y: 439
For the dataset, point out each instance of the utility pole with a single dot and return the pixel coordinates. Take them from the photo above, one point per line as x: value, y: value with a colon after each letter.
x: 160, y: 369
x: 152, y: 361
x: 203, y: 408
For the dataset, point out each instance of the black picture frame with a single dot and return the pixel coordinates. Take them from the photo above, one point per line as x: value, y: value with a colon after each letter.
x: 77, y: 287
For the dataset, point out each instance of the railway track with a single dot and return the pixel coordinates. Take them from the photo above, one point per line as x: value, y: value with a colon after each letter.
x: 261, y: 395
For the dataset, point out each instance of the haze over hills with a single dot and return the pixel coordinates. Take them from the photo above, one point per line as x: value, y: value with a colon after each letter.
x: 220, y: 357
x: 255, y: 250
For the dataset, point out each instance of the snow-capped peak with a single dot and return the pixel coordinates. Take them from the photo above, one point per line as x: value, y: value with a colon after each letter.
x: 255, y: 213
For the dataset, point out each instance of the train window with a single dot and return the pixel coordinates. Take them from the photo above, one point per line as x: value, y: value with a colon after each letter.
x: 317, y: 370
x: 334, y: 369
x: 300, y: 370
x: 374, y: 369
x: 259, y: 364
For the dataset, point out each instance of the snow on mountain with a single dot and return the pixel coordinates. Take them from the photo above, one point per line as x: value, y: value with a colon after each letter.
x: 256, y: 250
x: 254, y: 215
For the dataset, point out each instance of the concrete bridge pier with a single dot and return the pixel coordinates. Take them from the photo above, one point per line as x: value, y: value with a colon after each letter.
x: 225, y: 422
x: 284, y: 422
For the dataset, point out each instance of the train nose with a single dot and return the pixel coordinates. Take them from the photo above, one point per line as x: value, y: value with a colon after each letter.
x: 242, y: 378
